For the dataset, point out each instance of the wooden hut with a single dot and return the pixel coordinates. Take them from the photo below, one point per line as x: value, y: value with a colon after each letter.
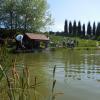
x: 35, y: 41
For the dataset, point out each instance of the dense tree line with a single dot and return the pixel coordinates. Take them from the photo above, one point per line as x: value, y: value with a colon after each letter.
x: 26, y: 15
x: 76, y: 29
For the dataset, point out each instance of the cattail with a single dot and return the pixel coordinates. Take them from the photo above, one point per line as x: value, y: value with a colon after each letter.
x: 17, y: 75
x: 14, y: 71
x: 26, y: 73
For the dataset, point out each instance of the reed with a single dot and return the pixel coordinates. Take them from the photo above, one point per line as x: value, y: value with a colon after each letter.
x: 4, y: 60
x: 54, y: 70
x: 10, y: 93
x: 35, y: 82
x: 53, y: 84
x: 18, y: 81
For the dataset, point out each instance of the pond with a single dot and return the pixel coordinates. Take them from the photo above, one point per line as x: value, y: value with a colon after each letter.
x: 77, y: 73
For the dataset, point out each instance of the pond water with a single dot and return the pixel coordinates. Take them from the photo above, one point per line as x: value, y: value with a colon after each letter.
x: 77, y: 73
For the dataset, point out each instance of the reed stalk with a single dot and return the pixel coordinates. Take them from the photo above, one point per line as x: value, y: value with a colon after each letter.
x: 35, y: 83
x: 19, y: 86
x: 10, y: 94
x: 53, y: 84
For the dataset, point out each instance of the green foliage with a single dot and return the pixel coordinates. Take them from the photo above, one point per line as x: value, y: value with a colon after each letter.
x: 89, y: 32
x: 5, y: 60
x: 19, y: 84
x: 55, y: 39
x: 29, y: 15
x: 87, y: 43
x: 81, y: 42
x: 98, y: 38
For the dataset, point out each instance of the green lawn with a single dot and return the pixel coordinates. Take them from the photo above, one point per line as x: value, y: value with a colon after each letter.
x: 82, y: 43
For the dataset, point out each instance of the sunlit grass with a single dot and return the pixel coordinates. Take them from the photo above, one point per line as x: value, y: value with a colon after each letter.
x: 81, y: 42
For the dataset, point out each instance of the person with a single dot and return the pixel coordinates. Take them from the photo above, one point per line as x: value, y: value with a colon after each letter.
x: 19, y: 41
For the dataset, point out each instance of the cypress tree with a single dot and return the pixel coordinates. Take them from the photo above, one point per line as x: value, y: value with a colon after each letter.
x: 83, y: 30
x: 89, y: 29
x: 79, y: 29
x: 70, y: 28
x: 74, y: 29
x: 66, y: 27
x: 98, y: 30
x: 94, y: 29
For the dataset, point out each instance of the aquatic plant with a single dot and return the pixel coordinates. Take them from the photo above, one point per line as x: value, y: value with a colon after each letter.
x: 17, y: 80
x: 54, y: 82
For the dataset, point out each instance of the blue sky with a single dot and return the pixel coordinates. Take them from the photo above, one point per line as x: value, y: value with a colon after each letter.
x: 79, y: 10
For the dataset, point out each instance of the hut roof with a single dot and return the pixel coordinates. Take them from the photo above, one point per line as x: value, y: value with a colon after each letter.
x: 34, y: 36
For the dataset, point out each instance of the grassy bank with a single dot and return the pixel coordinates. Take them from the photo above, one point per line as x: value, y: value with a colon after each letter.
x: 82, y: 43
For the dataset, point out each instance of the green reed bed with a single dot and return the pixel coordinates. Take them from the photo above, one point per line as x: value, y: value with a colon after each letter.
x: 16, y: 83
x: 19, y: 86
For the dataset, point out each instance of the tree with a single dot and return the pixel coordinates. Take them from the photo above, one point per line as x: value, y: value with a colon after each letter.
x: 83, y: 30
x: 36, y: 15
x: 79, y: 29
x: 89, y: 29
x: 70, y: 28
x: 28, y: 15
x: 66, y: 27
x: 94, y: 29
x: 98, y: 30
x: 74, y: 28
x: 7, y: 9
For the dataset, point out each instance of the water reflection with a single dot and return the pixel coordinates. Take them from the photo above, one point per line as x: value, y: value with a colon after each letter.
x: 80, y: 68
x: 76, y: 65
x: 83, y: 66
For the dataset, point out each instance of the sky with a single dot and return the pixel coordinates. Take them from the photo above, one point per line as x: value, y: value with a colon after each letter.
x: 79, y: 10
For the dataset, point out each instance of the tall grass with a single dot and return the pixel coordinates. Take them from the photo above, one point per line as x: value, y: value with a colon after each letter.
x: 5, y: 60
x: 18, y: 84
